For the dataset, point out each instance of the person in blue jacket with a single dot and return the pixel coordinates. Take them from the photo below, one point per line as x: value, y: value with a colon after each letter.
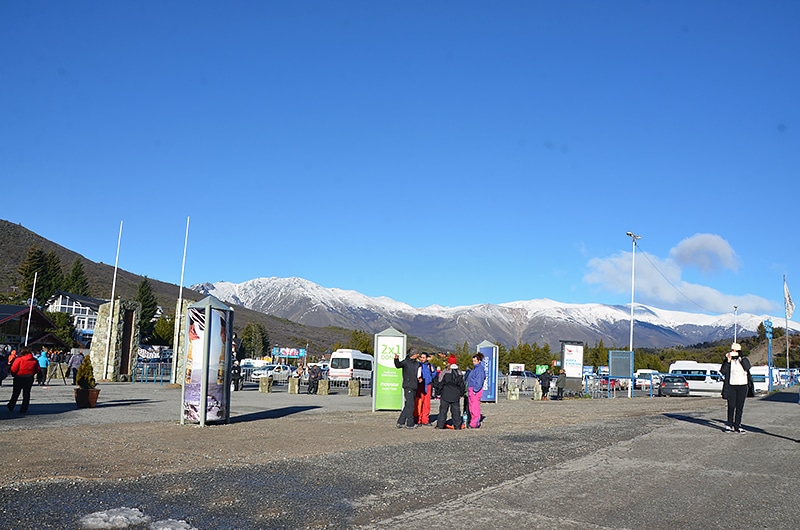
x: 422, y: 402
x: 475, y: 381
x: 44, y: 362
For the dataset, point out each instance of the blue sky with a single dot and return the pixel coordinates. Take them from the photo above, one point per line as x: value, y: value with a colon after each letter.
x: 450, y: 153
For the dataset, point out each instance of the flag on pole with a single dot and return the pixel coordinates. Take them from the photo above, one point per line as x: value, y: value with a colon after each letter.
x: 787, y: 299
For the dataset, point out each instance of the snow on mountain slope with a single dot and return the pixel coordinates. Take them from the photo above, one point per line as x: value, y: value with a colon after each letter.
x: 540, y: 320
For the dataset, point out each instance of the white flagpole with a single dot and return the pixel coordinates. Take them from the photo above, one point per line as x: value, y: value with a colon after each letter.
x: 30, y: 310
x: 176, y: 334
x: 111, y: 310
x: 789, y: 308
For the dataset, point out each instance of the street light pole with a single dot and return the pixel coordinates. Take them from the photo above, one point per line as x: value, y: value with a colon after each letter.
x: 633, y: 237
x: 735, y: 315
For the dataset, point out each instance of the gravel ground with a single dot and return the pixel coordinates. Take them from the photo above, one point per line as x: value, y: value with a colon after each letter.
x: 290, y: 461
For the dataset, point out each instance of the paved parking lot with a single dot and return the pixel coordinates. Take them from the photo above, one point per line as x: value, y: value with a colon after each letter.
x: 299, y: 461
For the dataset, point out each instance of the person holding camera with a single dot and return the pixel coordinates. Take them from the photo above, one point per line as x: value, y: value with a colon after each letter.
x: 736, y: 370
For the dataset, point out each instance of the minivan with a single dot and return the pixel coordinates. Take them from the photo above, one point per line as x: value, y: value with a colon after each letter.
x: 704, y: 379
x: 350, y: 364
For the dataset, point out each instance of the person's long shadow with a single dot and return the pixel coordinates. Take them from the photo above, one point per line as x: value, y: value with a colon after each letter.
x: 720, y: 425
x: 49, y: 409
x: 271, y: 414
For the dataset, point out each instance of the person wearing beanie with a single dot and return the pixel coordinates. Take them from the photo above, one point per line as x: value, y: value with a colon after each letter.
x: 736, y: 370
x: 409, y: 365
x: 450, y: 385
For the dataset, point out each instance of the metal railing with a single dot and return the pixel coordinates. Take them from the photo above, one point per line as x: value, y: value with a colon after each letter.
x: 158, y: 373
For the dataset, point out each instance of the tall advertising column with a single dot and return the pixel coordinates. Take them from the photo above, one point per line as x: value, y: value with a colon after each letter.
x: 490, y: 360
x: 206, y: 384
x: 387, y: 385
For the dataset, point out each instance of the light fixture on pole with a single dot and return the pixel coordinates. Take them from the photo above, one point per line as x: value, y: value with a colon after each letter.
x: 633, y: 237
x: 735, y: 314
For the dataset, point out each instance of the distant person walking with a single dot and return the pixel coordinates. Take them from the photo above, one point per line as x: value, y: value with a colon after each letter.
x: 736, y: 370
x: 73, y: 364
x: 544, y: 379
x: 409, y: 365
x: 561, y: 383
x: 314, y: 376
x: 475, y: 380
x: 44, y: 362
x: 24, y: 368
x: 3, y: 365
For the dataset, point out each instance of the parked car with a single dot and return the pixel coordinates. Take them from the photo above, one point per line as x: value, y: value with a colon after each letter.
x: 604, y: 382
x: 279, y: 372
x: 673, y: 385
x: 522, y: 379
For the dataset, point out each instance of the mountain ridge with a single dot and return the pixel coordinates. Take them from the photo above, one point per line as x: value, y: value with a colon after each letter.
x: 542, y: 321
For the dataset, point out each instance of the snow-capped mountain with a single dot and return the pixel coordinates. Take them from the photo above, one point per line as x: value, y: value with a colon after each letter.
x: 541, y: 321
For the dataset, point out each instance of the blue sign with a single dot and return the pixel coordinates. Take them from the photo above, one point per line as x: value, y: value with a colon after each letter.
x: 490, y: 354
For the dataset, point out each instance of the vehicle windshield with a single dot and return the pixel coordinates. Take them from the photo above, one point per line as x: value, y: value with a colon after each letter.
x: 339, y: 363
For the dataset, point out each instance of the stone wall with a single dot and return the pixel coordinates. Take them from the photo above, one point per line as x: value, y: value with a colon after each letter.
x: 119, y: 334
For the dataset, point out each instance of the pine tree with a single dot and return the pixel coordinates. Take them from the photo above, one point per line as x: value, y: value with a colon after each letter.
x: 76, y: 281
x: 35, y: 262
x: 52, y: 278
x: 63, y: 326
x: 163, y: 330
x: 147, y: 298
x: 255, y: 341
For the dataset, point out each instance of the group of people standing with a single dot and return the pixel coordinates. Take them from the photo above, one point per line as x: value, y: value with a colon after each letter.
x: 420, y: 378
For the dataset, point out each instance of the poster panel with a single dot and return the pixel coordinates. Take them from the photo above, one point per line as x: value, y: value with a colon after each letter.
x: 490, y: 353
x: 572, y: 360
x: 388, y: 386
x: 215, y: 395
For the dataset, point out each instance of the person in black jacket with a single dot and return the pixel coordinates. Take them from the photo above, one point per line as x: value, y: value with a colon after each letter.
x: 409, y: 366
x: 450, y: 384
x: 736, y: 370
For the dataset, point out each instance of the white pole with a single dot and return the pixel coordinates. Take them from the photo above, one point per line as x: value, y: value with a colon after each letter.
x: 111, y: 310
x: 735, y: 315
x: 176, y: 334
x: 633, y: 237
x: 30, y: 310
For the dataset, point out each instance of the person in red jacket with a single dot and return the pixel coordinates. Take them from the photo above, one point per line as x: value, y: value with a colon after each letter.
x: 24, y: 369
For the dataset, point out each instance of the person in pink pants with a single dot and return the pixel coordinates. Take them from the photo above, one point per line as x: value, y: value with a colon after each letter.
x: 475, y: 380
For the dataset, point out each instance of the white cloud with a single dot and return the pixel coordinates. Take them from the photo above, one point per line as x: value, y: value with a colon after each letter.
x: 658, y: 282
x: 706, y: 252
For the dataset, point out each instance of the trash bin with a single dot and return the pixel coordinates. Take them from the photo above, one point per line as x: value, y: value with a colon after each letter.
x: 265, y: 384
x: 354, y: 388
x: 294, y: 385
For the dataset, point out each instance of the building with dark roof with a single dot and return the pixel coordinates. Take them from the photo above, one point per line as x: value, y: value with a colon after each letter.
x: 83, y: 310
x: 21, y: 325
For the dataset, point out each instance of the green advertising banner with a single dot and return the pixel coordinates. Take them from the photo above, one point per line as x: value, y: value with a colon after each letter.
x: 387, y: 390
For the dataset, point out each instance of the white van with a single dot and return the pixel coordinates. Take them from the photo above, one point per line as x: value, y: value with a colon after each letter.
x: 644, y: 376
x: 704, y: 379
x: 350, y: 364
x: 760, y: 376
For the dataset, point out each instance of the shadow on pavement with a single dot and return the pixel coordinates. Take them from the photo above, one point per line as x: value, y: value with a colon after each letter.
x: 271, y: 414
x: 720, y: 425
x: 781, y: 397
x: 48, y: 409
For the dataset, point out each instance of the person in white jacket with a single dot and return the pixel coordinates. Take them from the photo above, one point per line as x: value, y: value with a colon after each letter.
x: 736, y: 370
